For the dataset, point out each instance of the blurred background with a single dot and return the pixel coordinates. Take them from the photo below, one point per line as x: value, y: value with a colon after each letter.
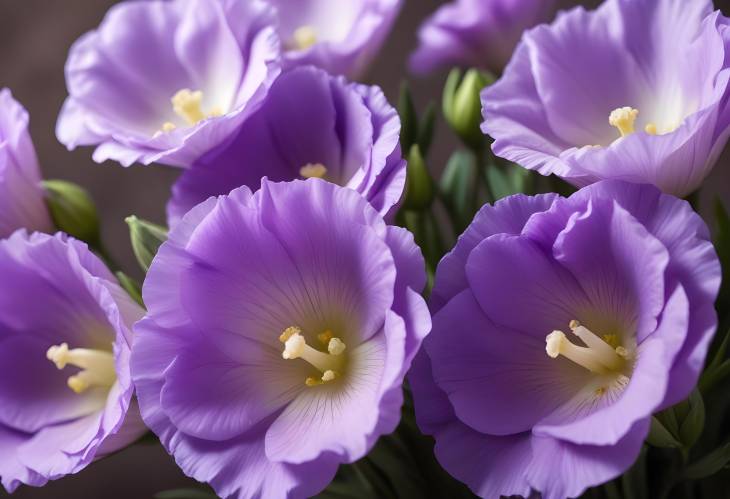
x: 35, y: 36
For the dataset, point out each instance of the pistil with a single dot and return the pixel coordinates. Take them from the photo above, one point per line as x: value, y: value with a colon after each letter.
x: 97, y: 366
x: 329, y: 364
x: 597, y: 356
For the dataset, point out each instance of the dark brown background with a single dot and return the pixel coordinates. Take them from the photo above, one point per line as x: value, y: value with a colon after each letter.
x: 35, y: 36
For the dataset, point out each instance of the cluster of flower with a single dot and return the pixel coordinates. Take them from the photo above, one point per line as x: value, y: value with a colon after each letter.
x: 283, y: 312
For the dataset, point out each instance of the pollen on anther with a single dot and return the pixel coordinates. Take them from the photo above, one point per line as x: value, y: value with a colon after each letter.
x: 288, y: 333
x: 325, y: 337
x: 304, y: 37
x: 623, y: 118
x: 313, y: 170
x: 336, y: 346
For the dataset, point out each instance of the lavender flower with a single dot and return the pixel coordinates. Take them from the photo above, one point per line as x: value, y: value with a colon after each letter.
x: 340, y: 37
x: 65, y: 338
x: 345, y: 133
x: 164, y: 81
x: 279, y: 330
x: 636, y: 91
x: 560, y: 326
x: 21, y: 194
x: 476, y: 33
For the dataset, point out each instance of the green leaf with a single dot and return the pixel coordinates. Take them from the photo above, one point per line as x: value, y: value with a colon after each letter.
x: 185, y: 494
x: 408, y: 117
x: 130, y: 286
x: 722, y: 245
x: 458, y: 187
x: 73, y: 211
x: 660, y: 436
x: 426, y: 128
x: 693, y: 422
x: 708, y: 465
x: 146, y: 239
x: 635, y: 481
x: 419, y: 184
x: 506, y: 182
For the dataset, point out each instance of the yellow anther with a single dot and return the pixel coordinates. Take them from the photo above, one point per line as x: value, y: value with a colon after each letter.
x: 325, y: 337
x: 328, y: 376
x: 303, y: 38
x: 622, y: 352
x: 623, y: 118
x: 187, y: 104
x: 288, y: 333
x: 313, y: 170
x: 97, y: 366
x: 650, y: 129
x: 310, y: 381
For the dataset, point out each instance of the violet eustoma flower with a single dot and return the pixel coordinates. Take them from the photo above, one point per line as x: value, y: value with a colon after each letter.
x: 65, y: 341
x: 560, y: 327
x: 280, y: 326
x: 341, y: 37
x: 476, y: 33
x: 164, y: 81
x: 21, y: 194
x: 311, y: 124
x: 636, y: 90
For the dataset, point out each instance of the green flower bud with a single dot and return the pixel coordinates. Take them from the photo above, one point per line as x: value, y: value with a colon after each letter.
x: 419, y: 184
x: 458, y: 187
x: 462, y: 105
x: 146, y: 239
x: 73, y: 211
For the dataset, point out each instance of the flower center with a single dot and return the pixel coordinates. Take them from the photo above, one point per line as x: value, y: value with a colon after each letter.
x: 97, y: 366
x: 624, y: 119
x: 600, y: 355
x: 310, y: 170
x: 330, y: 364
x: 187, y: 104
x: 303, y: 38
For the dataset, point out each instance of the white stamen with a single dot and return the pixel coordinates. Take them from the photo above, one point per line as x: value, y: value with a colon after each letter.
x: 97, y: 366
x: 605, y: 351
x: 295, y: 347
x: 336, y: 346
x: 597, y: 356
x: 557, y: 344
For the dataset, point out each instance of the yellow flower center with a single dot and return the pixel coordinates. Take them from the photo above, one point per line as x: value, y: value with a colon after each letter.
x: 330, y: 364
x: 313, y: 170
x: 97, y: 366
x: 598, y: 356
x: 187, y: 104
x: 303, y: 38
x: 624, y: 118
x: 604, y: 355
